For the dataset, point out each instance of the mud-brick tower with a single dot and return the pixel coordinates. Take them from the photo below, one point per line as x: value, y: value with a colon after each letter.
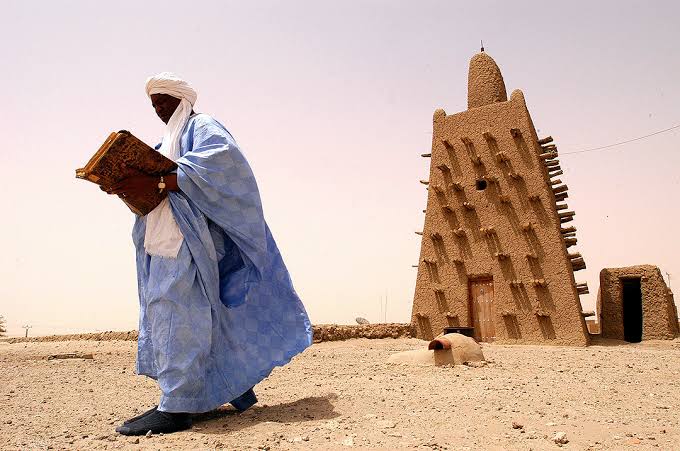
x: 494, y: 253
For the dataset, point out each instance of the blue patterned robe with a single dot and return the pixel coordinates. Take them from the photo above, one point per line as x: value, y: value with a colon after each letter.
x: 217, y: 319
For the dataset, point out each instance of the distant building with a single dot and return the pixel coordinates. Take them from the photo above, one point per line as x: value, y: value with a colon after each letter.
x: 494, y: 246
x: 635, y: 304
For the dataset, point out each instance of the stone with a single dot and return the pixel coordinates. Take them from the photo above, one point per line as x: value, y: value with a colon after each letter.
x: 386, y: 424
x: 560, y: 438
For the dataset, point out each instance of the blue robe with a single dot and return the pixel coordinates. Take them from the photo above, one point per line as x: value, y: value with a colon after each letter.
x: 218, y: 318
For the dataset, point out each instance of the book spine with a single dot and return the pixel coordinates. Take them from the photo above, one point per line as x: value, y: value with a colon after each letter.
x: 83, y: 174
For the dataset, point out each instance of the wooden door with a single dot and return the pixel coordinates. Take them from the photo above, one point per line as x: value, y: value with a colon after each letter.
x: 482, y: 311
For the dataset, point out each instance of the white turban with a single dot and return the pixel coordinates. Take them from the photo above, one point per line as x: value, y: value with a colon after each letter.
x: 163, y: 237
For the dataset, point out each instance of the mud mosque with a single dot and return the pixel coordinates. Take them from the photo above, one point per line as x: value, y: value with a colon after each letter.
x: 497, y: 258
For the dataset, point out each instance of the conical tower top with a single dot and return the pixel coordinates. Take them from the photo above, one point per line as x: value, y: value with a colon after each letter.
x: 485, y: 82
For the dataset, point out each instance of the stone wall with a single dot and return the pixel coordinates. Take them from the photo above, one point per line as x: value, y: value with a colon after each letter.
x: 322, y: 332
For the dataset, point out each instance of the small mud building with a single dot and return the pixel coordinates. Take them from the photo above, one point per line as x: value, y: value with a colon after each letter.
x: 494, y: 252
x: 634, y: 304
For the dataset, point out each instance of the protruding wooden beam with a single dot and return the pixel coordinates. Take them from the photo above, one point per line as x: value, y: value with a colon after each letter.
x: 426, y: 155
x: 566, y: 214
x: 554, y: 169
x: 549, y: 147
x: 568, y: 230
x: 560, y: 189
x: 551, y: 163
x: 570, y: 242
x: 578, y: 264
x: 545, y: 140
x: 548, y: 155
x: 582, y: 288
x: 555, y: 174
x: 555, y: 182
x: 425, y: 182
x: 567, y: 219
x: 559, y: 207
x: 568, y: 234
x: 561, y: 196
x: 419, y: 233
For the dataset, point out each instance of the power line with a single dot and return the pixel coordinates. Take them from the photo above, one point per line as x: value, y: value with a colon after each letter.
x: 622, y: 142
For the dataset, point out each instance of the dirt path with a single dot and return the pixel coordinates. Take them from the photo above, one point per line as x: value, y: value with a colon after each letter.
x: 339, y: 395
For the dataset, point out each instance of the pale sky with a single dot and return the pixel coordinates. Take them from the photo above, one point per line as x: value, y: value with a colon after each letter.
x: 332, y: 103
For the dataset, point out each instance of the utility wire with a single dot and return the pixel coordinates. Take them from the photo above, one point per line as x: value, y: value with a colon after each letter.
x: 622, y: 142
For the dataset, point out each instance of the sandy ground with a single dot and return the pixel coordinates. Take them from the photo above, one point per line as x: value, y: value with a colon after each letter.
x: 338, y: 395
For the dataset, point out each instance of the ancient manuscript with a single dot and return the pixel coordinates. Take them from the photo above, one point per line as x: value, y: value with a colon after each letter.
x: 123, y: 155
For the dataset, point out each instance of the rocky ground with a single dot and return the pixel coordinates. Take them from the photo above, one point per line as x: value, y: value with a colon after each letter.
x: 344, y: 394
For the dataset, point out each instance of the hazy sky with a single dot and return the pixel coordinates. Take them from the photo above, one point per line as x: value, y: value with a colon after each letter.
x: 332, y: 104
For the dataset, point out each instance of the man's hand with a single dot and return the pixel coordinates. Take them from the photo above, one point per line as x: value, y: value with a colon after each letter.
x: 136, y: 186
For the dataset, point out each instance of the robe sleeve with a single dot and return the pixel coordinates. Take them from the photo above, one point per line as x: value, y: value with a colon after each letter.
x: 214, y: 175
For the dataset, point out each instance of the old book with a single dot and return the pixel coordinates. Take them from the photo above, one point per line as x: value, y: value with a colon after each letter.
x: 121, y: 156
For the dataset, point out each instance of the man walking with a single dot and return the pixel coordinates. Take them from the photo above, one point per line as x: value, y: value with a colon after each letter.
x: 218, y: 310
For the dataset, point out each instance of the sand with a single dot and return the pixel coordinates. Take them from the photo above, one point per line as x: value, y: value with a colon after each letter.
x: 344, y: 394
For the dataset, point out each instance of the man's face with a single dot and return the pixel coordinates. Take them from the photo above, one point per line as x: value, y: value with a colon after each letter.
x: 164, y: 105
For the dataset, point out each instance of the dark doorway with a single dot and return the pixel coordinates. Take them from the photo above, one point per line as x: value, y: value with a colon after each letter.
x: 632, y: 310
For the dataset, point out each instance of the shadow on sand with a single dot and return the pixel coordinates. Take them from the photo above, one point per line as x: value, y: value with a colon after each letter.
x: 228, y: 419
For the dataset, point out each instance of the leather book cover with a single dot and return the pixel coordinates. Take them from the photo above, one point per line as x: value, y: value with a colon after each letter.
x: 123, y: 155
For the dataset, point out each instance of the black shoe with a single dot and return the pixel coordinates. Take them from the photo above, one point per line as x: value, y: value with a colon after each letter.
x: 138, y: 417
x: 245, y: 401
x: 157, y: 422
